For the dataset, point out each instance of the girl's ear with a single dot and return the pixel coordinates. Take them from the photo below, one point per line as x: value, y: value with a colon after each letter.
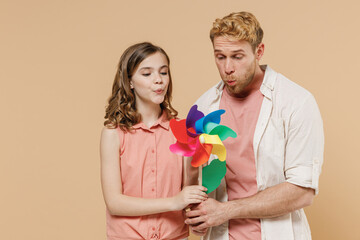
x: 131, y: 85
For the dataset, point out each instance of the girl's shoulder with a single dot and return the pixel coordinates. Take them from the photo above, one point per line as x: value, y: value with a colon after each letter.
x: 114, y: 135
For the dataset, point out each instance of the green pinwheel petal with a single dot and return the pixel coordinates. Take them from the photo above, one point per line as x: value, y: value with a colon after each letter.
x: 223, y: 132
x: 212, y: 174
x: 209, y: 127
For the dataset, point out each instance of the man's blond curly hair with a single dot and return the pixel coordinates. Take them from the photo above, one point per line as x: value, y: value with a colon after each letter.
x: 241, y: 26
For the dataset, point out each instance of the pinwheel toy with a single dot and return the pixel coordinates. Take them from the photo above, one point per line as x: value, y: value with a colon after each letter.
x: 200, y: 136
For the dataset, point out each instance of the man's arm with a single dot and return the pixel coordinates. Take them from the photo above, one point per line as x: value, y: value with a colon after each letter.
x: 272, y: 202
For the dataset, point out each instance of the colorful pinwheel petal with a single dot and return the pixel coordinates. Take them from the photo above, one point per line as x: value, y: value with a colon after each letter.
x: 200, y: 136
x: 213, y: 174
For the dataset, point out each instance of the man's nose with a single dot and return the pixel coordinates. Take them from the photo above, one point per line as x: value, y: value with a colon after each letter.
x: 229, y: 67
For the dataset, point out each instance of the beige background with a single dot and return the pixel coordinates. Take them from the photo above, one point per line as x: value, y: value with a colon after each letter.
x: 57, y: 62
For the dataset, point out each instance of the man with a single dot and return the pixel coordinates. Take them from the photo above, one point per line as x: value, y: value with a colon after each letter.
x: 273, y: 166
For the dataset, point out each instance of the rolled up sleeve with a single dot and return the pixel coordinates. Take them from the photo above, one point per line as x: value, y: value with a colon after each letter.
x: 305, y: 146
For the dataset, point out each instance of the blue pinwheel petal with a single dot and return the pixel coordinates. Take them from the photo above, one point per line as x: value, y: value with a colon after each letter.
x: 214, y: 116
x: 199, y: 125
x: 202, y: 125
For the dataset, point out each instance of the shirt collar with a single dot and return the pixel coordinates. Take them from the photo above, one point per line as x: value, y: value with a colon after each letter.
x: 268, y: 83
x: 162, y: 121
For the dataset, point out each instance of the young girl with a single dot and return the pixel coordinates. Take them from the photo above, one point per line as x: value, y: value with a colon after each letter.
x: 141, y: 178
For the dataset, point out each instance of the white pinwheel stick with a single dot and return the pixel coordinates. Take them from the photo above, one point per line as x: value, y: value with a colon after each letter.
x: 202, y: 141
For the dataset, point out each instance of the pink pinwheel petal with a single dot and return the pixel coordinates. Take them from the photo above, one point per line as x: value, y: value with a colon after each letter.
x: 183, y: 149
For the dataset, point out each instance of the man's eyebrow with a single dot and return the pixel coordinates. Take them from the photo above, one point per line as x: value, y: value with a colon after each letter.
x: 235, y: 51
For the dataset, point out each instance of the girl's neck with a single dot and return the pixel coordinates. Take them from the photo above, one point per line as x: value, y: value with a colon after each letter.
x: 150, y: 113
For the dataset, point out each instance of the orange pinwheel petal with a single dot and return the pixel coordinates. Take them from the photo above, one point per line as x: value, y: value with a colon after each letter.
x: 202, y: 155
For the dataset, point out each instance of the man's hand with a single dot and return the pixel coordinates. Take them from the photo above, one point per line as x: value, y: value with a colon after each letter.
x: 199, y: 233
x: 207, y: 214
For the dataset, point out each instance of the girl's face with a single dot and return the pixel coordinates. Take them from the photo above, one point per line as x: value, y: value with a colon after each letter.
x: 151, y: 79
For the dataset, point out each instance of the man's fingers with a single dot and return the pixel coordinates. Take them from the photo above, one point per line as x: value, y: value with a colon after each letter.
x: 193, y: 213
x: 201, y: 227
x: 199, y: 233
x: 195, y: 220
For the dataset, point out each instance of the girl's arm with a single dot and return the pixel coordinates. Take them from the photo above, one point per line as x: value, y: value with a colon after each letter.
x: 122, y: 205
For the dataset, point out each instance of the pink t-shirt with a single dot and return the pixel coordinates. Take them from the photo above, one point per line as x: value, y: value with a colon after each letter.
x: 241, y: 115
x: 149, y: 170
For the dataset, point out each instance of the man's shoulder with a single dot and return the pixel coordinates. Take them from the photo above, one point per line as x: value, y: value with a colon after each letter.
x: 287, y: 89
x: 290, y: 96
x: 285, y: 84
x: 210, y: 97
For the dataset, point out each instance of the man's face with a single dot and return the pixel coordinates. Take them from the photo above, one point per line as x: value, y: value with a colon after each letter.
x: 236, y: 62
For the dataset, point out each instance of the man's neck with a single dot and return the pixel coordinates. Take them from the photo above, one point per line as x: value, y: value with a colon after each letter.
x: 258, y: 79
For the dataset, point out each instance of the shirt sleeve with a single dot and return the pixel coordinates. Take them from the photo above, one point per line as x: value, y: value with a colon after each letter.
x: 305, y: 146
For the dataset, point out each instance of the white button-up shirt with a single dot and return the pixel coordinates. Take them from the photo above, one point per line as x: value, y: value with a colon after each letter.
x: 288, y: 147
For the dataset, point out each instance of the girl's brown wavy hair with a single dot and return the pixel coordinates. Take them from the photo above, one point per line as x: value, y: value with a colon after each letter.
x: 121, y: 109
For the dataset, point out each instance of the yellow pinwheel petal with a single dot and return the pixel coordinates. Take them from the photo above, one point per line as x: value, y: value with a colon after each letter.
x: 218, y: 147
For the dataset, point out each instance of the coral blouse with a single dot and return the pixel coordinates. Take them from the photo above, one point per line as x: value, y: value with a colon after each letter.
x: 149, y: 170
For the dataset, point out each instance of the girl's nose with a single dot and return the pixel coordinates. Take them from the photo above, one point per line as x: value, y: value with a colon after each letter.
x: 158, y: 78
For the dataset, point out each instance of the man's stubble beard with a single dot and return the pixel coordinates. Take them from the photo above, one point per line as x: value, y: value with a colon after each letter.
x: 239, y: 87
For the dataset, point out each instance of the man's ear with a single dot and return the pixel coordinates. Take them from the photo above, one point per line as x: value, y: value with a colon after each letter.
x: 259, y: 51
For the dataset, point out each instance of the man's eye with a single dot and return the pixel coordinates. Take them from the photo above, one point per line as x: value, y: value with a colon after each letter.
x: 220, y: 57
x: 238, y: 57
